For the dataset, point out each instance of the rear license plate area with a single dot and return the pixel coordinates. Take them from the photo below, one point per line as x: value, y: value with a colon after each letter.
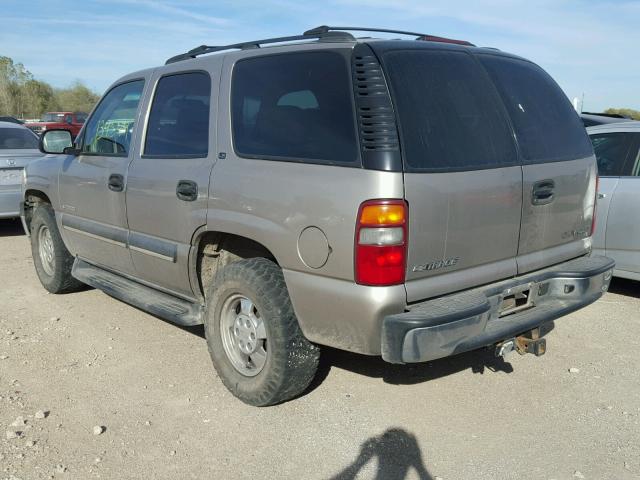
x: 10, y: 176
x: 516, y: 299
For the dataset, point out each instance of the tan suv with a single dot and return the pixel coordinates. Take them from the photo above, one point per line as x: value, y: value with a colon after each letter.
x: 406, y: 198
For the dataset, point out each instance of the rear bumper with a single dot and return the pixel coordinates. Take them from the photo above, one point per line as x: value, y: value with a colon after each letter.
x: 465, y: 321
x: 10, y: 202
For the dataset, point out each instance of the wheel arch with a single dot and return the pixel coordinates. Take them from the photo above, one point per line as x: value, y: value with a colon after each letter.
x: 212, y: 250
x: 33, y: 197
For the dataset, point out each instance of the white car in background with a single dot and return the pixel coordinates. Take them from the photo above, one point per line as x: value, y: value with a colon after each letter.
x: 18, y: 146
x: 617, y: 235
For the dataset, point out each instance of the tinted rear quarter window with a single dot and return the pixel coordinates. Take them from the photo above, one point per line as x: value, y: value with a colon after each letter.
x: 296, y: 107
x: 450, y: 115
x: 546, y: 125
x: 179, y: 117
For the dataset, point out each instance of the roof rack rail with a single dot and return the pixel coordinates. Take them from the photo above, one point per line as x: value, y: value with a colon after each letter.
x: 204, y: 49
x: 420, y: 36
x: 326, y: 29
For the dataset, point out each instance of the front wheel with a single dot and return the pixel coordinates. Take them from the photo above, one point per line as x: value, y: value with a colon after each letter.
x: 253, y: 335
x: 51, y: 258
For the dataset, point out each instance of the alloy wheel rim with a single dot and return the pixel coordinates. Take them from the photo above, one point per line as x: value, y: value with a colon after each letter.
x: 244, y: 336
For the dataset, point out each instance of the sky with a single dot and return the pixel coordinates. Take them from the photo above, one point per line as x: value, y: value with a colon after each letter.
x: 589, y: 46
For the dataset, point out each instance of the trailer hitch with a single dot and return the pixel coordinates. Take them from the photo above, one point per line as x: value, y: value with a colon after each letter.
x: 528, y: 342
x: 531, y: 342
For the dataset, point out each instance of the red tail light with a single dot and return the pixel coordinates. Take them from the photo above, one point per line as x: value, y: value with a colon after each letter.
x: 595, y: 207
x: 381, y: 242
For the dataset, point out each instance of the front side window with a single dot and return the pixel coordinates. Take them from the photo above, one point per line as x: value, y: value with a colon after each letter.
x: 295, y: 106
x: 449, y: 113
x: 108, y: 131
x: 612, y: 152
x: 546, y: 125
x: 179, y: 118
x: 17, y: 138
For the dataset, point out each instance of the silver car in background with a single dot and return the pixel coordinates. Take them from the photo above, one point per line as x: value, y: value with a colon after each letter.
x: 18, y: 145
x: 617, y: 234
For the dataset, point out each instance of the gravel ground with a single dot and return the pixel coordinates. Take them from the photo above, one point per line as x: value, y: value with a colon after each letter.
x: 93, y: 388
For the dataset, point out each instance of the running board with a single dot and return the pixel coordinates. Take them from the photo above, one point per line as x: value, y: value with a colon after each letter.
x: 173, y: 309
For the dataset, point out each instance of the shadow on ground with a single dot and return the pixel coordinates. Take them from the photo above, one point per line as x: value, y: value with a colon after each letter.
x: 11, y: 228
x: 397, y: 452
x: 478, y: 361
x: 623, y: 286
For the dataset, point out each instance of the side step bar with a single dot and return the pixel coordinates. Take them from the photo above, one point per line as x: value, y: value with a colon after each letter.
x: 163, y: 305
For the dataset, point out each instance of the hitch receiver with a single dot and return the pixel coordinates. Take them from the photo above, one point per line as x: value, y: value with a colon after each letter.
x: 531, y: 342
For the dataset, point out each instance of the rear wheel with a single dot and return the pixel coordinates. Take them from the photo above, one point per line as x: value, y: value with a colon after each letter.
x: 253, y: 335
x: 51, y: 258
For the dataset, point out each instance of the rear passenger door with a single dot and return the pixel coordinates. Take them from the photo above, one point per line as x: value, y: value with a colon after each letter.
x: 169, y: 175
x: 623, y: 221
x: 558, y: 167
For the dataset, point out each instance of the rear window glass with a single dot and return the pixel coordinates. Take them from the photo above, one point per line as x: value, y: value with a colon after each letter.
x: 450, y: 115
x: 546, y: 125
x: 295, y: 106
x: 17, y: 138
x: 612, y: 151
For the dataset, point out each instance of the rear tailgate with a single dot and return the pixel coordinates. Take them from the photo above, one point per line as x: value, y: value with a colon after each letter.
x: 559, y: 168
x: 463, y: 179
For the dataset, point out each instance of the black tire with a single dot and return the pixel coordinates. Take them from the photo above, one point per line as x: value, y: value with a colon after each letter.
x: 291, y: 360
x: 58, y: 279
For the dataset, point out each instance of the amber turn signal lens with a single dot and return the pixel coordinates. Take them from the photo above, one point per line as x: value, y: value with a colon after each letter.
x: 392, y: 214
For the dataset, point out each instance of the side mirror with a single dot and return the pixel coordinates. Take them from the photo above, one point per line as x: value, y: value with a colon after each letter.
x: 55, y: 141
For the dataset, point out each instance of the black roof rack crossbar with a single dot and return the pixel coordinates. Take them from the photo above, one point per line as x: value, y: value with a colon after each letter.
x: 419, y: 36
x: 204, y: 49
x: 326, y: 29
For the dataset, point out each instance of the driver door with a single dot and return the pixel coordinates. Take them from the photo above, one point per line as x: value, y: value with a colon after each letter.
x: 92, y: 184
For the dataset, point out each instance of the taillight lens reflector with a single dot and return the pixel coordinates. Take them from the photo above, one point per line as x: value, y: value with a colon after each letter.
x: 381, y: 243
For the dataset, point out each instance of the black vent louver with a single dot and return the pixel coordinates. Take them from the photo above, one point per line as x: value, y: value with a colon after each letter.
x: 376, y: 119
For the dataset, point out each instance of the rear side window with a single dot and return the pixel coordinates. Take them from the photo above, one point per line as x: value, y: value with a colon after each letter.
x: 108, y: 132
x: 296, y: 107
x: 450, y: 115
x: 546, y: 125
x: 179, y: 118
x: 613, y: 153
x: 17, y: 138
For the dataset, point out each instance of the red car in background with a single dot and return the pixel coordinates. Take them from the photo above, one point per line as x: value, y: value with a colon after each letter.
x: 71, y: 121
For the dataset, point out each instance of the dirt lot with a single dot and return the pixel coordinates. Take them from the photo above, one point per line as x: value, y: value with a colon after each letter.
x: 86, y: 360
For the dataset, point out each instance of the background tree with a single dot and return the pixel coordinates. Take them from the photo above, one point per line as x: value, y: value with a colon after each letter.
x: 24, y: 97
x: 626, y: 112
x: 76, y: 98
